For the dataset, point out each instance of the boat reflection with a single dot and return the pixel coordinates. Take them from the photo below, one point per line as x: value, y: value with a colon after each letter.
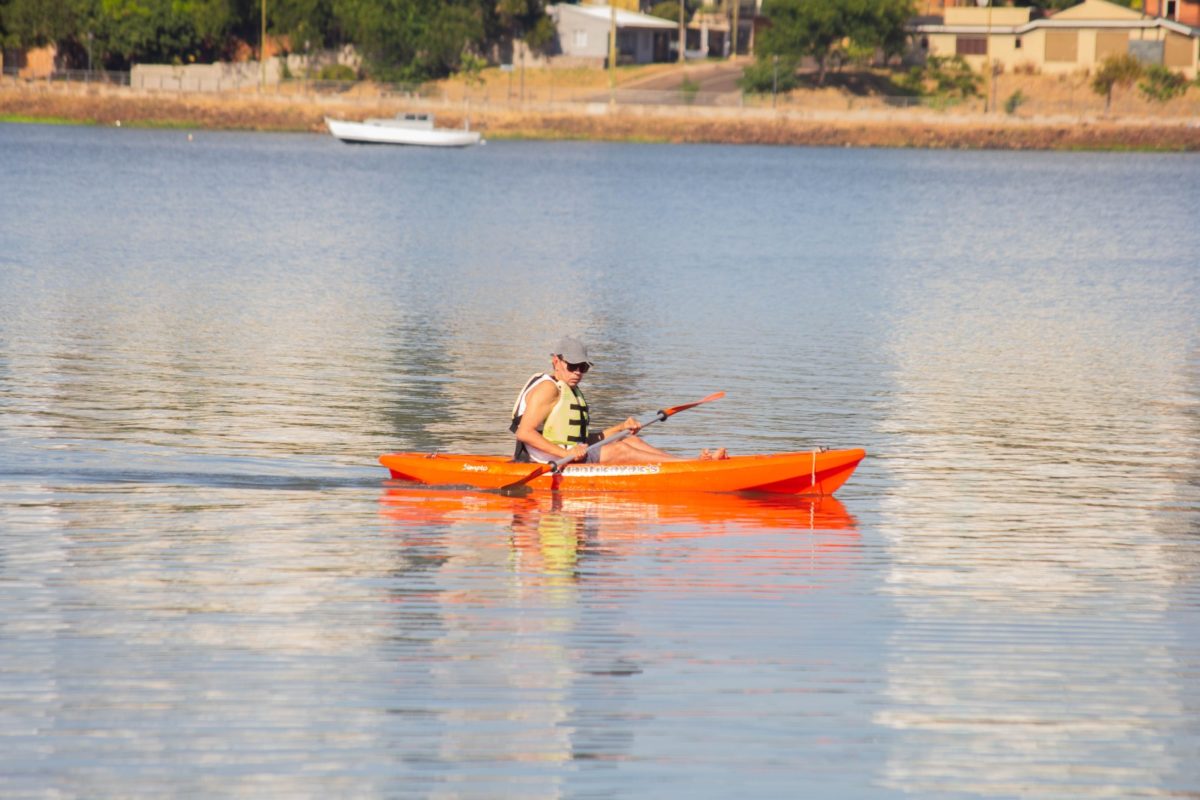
x: 549, y: 533
x: 417, y: 505
x: 546, y: 605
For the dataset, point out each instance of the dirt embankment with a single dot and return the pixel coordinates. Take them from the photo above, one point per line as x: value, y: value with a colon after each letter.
x: 894, y: 128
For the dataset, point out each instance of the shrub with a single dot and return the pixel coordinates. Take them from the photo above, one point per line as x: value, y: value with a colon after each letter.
x: 471, y: 67
x: 668, y: 9
x: 689, y: 88
x: 947, y: 79
x: 1160, y: 84
x: 1014, y: 101
x: 1114, y: 71
x: 337, y: 72
x: 764, y: 75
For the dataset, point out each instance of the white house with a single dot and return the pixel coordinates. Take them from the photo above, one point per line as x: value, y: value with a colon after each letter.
x: 583, y: 33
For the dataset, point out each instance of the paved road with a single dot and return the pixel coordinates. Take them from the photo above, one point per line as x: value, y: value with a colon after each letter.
x: 721, y: 76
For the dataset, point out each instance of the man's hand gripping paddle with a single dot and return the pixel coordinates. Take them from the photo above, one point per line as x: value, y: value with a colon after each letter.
x: 521, y: 487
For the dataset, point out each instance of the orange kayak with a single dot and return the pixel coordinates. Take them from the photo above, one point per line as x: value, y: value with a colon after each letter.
x: 818, y: 472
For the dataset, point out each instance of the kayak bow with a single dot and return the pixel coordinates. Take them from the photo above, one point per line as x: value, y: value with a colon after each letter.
x: 818, y: 472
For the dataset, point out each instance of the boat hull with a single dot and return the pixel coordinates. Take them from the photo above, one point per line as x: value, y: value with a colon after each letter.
x: 366, y: 133
x: 820, y: 472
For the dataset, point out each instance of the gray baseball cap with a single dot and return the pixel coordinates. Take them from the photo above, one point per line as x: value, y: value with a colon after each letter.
x: 571, y: 350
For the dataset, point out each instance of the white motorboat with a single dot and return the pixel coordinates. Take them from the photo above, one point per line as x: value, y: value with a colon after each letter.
x: 414, y: 129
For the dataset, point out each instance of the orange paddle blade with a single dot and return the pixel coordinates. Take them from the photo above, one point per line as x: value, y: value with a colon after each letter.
x: 666, y: 412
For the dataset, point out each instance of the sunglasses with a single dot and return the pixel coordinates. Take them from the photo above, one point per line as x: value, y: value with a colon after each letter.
x: 582, y: 367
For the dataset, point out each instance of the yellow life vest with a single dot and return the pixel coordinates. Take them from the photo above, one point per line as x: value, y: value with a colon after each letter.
x: 565, y: 425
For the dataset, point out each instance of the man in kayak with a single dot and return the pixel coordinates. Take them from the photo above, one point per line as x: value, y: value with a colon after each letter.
x: 550, y: 418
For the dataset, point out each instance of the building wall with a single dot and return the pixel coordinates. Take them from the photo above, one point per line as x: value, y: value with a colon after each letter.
x: 636, y: 46
x: 1179, y: 52
x: 34, y: 62
x: 1060, y: 51
x: 580, y: 35
x: 1185, y: 11
x: 220, y: 77
x: 997, y: 16
x: 584, y: 36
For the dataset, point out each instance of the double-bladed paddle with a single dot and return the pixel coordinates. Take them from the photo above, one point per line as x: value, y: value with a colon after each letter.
x: 521, y: 486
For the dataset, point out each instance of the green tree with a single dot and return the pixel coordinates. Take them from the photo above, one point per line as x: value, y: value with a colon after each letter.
x: 947, y: 79
x: 384, y: 31
x: 825, y: 29
x: 157, y: 31
x: 447, y: 31
x: 1160, y: 84
x: 800, y: 28
x: 1118, y: 70
x: 122, y: 32
x: 471, y: 68
x: 769, y: 75
x: 669, y: 9
x: 411, y: 40
x: 308, y: 24
x: 36, y: 23
x: 542, y: 34
x: 506, y: 21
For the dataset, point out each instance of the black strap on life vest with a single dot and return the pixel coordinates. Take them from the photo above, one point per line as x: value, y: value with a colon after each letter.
x: 582, y: 436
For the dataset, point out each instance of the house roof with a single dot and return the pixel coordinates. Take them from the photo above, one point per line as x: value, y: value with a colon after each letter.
x: 1092, y: 10
x: 1088, y: 14
x: 625, y: 19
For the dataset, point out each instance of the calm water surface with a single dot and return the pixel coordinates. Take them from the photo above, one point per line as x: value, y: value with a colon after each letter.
x: 209, y: 588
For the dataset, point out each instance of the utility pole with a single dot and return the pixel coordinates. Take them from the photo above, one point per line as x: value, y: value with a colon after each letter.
x: 612, y: 53
x: 262, y: 50
x: 682, y: 30
x: 733, y: 32
x: 987, y: 43
x: 774, y: 79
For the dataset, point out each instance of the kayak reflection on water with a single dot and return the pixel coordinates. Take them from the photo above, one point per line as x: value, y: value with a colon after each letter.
x: 551, y: 534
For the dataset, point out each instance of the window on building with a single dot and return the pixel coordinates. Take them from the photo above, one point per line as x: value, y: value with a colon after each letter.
x: 1062, y: 46
x: 1178, y: 51
x: 580, y: 38
x: 1171, y: 12
x: 626, y: 43
x: 1017, y: 43
x: 970, y: 46
x: 1111, y: 43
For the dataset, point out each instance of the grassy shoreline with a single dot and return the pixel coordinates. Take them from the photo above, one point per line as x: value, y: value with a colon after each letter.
x: 899, y: 129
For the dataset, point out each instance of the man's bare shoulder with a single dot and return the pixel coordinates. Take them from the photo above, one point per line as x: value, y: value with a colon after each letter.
x: 545, y: 390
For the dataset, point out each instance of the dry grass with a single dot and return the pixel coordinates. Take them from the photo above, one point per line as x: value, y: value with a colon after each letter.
x: 808, y: 125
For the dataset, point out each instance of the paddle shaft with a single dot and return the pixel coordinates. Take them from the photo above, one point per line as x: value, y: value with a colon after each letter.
x: 558, y: 464
x: 659, y: 416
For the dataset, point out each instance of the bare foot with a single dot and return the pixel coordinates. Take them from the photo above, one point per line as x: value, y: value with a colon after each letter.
x: 708, y: 455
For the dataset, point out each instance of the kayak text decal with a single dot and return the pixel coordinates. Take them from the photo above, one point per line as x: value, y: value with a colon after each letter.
x: 616, y: 469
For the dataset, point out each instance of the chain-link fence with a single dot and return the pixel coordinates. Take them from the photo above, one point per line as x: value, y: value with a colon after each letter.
x: 85, y: 76
x: 1055, y: 99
